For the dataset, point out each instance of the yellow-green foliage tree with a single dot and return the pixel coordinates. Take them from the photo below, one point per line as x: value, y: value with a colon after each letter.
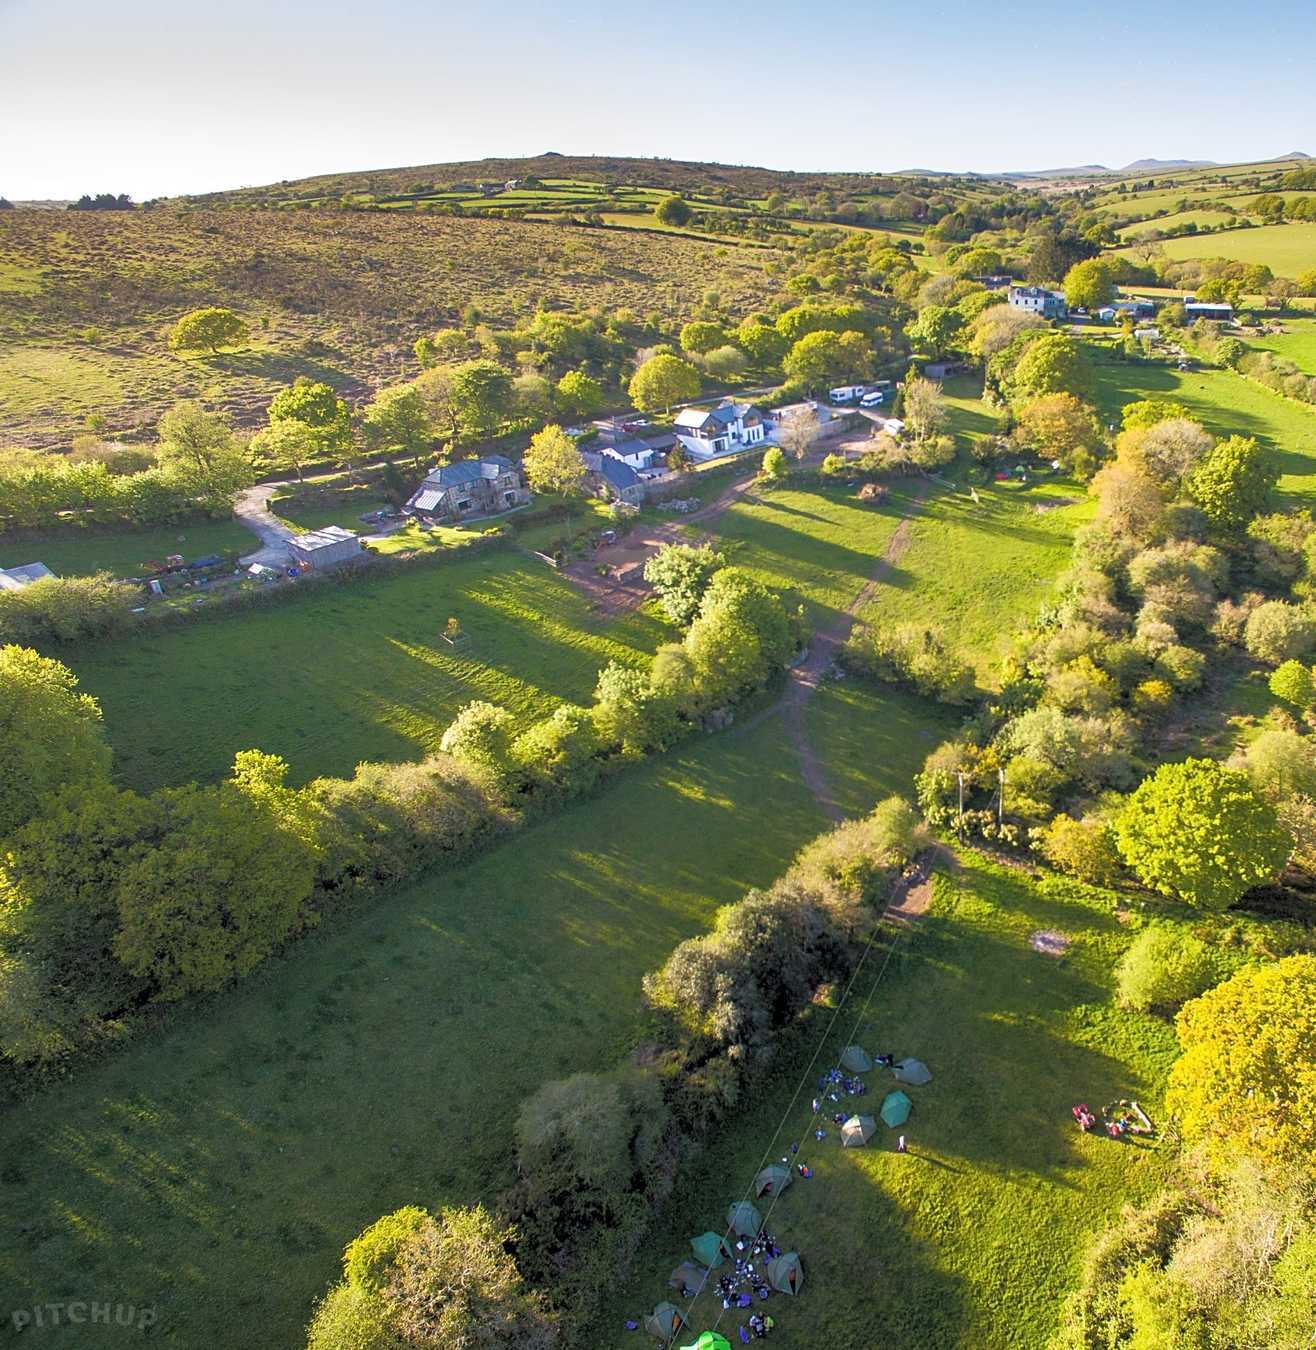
x: 553, y: 463
x: 1246, y: 1080
x: 207, y: 330
x: 662, y: 381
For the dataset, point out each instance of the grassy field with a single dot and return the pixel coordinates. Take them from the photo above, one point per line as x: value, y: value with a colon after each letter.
x: 352, y: 672
x: 380, y: 1063
x: 79, y: 553
x: 1227, y: 404
x: 1286, y: 249
x: 1297, y: 342
x: 971, y: 1238
x: 976, y: 571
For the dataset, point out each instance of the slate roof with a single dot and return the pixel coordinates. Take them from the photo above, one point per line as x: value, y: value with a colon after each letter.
x: 466, y: 471
x: 618, y: 475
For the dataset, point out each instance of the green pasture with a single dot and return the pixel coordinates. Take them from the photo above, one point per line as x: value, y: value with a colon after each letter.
x: 1286, y: 249
x: 1167, y: 222
x: 1227, y: 404
x: 80, y: 553
x: 352, y: 672
x: 1297, y: 342
x: 973, y: 1237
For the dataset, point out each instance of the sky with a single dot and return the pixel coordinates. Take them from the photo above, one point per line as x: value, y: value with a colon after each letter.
x: 159, y: 97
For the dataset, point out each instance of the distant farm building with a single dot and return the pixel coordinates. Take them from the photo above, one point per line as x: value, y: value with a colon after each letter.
x: 1202, y: 309
x: 468, y: 489
x: 321, y: 549
x: 1038, y: 300
x: 15, y: 578
x: 706, y: 432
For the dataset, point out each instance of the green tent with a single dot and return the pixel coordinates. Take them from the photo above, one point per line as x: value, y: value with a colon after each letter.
x: 687, y: 1276
x: 773, y: 1179
x: 664, y: 1322
x: 709, y: 1340
x: 913, y: 1071
x: 785, y: 1274
x: 743, y: 1219
x: 856, y: 1059
x: 895, y: 1109
x: 857, y: 1131
x: 710, y: 1249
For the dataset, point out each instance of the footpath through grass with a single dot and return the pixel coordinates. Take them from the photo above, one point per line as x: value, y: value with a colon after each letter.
x: 973, y: 1237
x: 216, y: 1169
x: 352, y: 672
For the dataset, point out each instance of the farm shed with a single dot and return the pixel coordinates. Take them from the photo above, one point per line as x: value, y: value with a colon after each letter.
x: 324, y: 548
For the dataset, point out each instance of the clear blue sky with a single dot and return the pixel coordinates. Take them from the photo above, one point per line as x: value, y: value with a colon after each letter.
x: 163, y: 96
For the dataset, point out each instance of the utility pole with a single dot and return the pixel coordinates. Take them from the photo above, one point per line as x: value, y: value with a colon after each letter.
x: 1000, y: 799
x: 959, y: 826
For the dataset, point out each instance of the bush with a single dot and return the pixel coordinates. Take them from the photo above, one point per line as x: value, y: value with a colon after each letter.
x: 1278, y: 631
x: 1082, y: 848
x: 1165, y: 966
x: 66, y: 609
x: 914, y: 657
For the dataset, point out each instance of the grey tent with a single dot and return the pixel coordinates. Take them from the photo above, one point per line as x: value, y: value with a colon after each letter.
x: 743, y: 1219
x: 913, y: 1071
x: 773, y: 1179
x: 664, y: 1322
x: 857, y: 1131
x: 785, y: 1274
x: 856, y: 1059
x: 687, y: 1276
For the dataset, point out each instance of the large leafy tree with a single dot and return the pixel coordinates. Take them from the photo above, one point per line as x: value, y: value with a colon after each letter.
x: 194, y: 438
x: 50, y: 735
x: 662, y: 381
x: 320, y: 410
x: 1246, y: 1080
x: 1233, y: 482
x: 700, y: 337
x: 1090, y: 284
x: 823, y: 356
x: 761, y: 342
x: 935, y: 329
x: 578, y: 394
x: 680, y: 573
x: 553, y: 463
x: 286, y: 445
x: 207, y: 330
x: 1051, y: 364
x: 398, y: 418
x: 1059, y: 426
x: 1197, y: 832
x: 482, y: 393
x: 674, y: 211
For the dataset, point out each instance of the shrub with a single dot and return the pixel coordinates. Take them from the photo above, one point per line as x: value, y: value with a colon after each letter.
x: 1165, y: 966
x: 1277, y: 631
x: 912, y: 656
x: 66, y: 609
x: 1083, y: 848
x: 680, y: 573
x: 480, y: 735
x: 1293, y: 682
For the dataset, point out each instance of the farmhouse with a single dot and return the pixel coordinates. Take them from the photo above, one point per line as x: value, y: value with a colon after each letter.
x: 706, y: 432
x: 1038, y: 300
x: 643, y: 452
x: 15, y: 578
x: 469, y: 488
x: 320, y: 549
x: 618, y: 481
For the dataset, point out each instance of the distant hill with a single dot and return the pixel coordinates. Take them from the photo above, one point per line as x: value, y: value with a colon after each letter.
x: 1165, y: 165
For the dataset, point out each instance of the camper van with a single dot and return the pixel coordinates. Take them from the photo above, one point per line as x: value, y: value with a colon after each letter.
x: 846, y: 393
x: 873, y: 399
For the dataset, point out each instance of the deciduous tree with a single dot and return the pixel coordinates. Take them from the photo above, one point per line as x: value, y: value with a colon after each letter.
x: 553, y: 463
x: 207, y: 330
x: 662, y: 381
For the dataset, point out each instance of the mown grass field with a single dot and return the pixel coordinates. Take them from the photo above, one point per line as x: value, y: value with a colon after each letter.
x: 1286, y: 249
x: 1227, y: 404
x: 970, y: 1239
x: 352, y: 672
x: 80, y: 553
x: 216, y: 1169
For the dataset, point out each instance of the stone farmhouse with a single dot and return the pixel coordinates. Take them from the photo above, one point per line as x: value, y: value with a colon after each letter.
x: 468, y: 489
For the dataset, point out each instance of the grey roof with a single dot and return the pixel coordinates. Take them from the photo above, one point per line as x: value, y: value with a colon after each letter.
x: 468, y: 471
x: 616, y: 474
x: 724, y: 413
x: 1036, y: 293
x: 313, y: 539
x: 13, y: 578
x: 692, y: 417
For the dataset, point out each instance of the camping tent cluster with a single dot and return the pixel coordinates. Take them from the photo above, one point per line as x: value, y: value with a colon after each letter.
x: 758, y: 1266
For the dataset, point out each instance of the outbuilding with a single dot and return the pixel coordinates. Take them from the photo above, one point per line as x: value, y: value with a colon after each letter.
x: 324, y: 548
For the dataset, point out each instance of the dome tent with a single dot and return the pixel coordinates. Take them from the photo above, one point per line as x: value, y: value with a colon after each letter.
x: 856, y: 1059
x: 743, y: 1219
x: 709, y: 1340
x: 687, y: 1276
x: 710, y: 1249
x: 912, y: 1071
x: 773, y: 1179
x: 785, y: 1274
x: 857, y: 1131
x: 895, y: 1109
x: 664, y: 1322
